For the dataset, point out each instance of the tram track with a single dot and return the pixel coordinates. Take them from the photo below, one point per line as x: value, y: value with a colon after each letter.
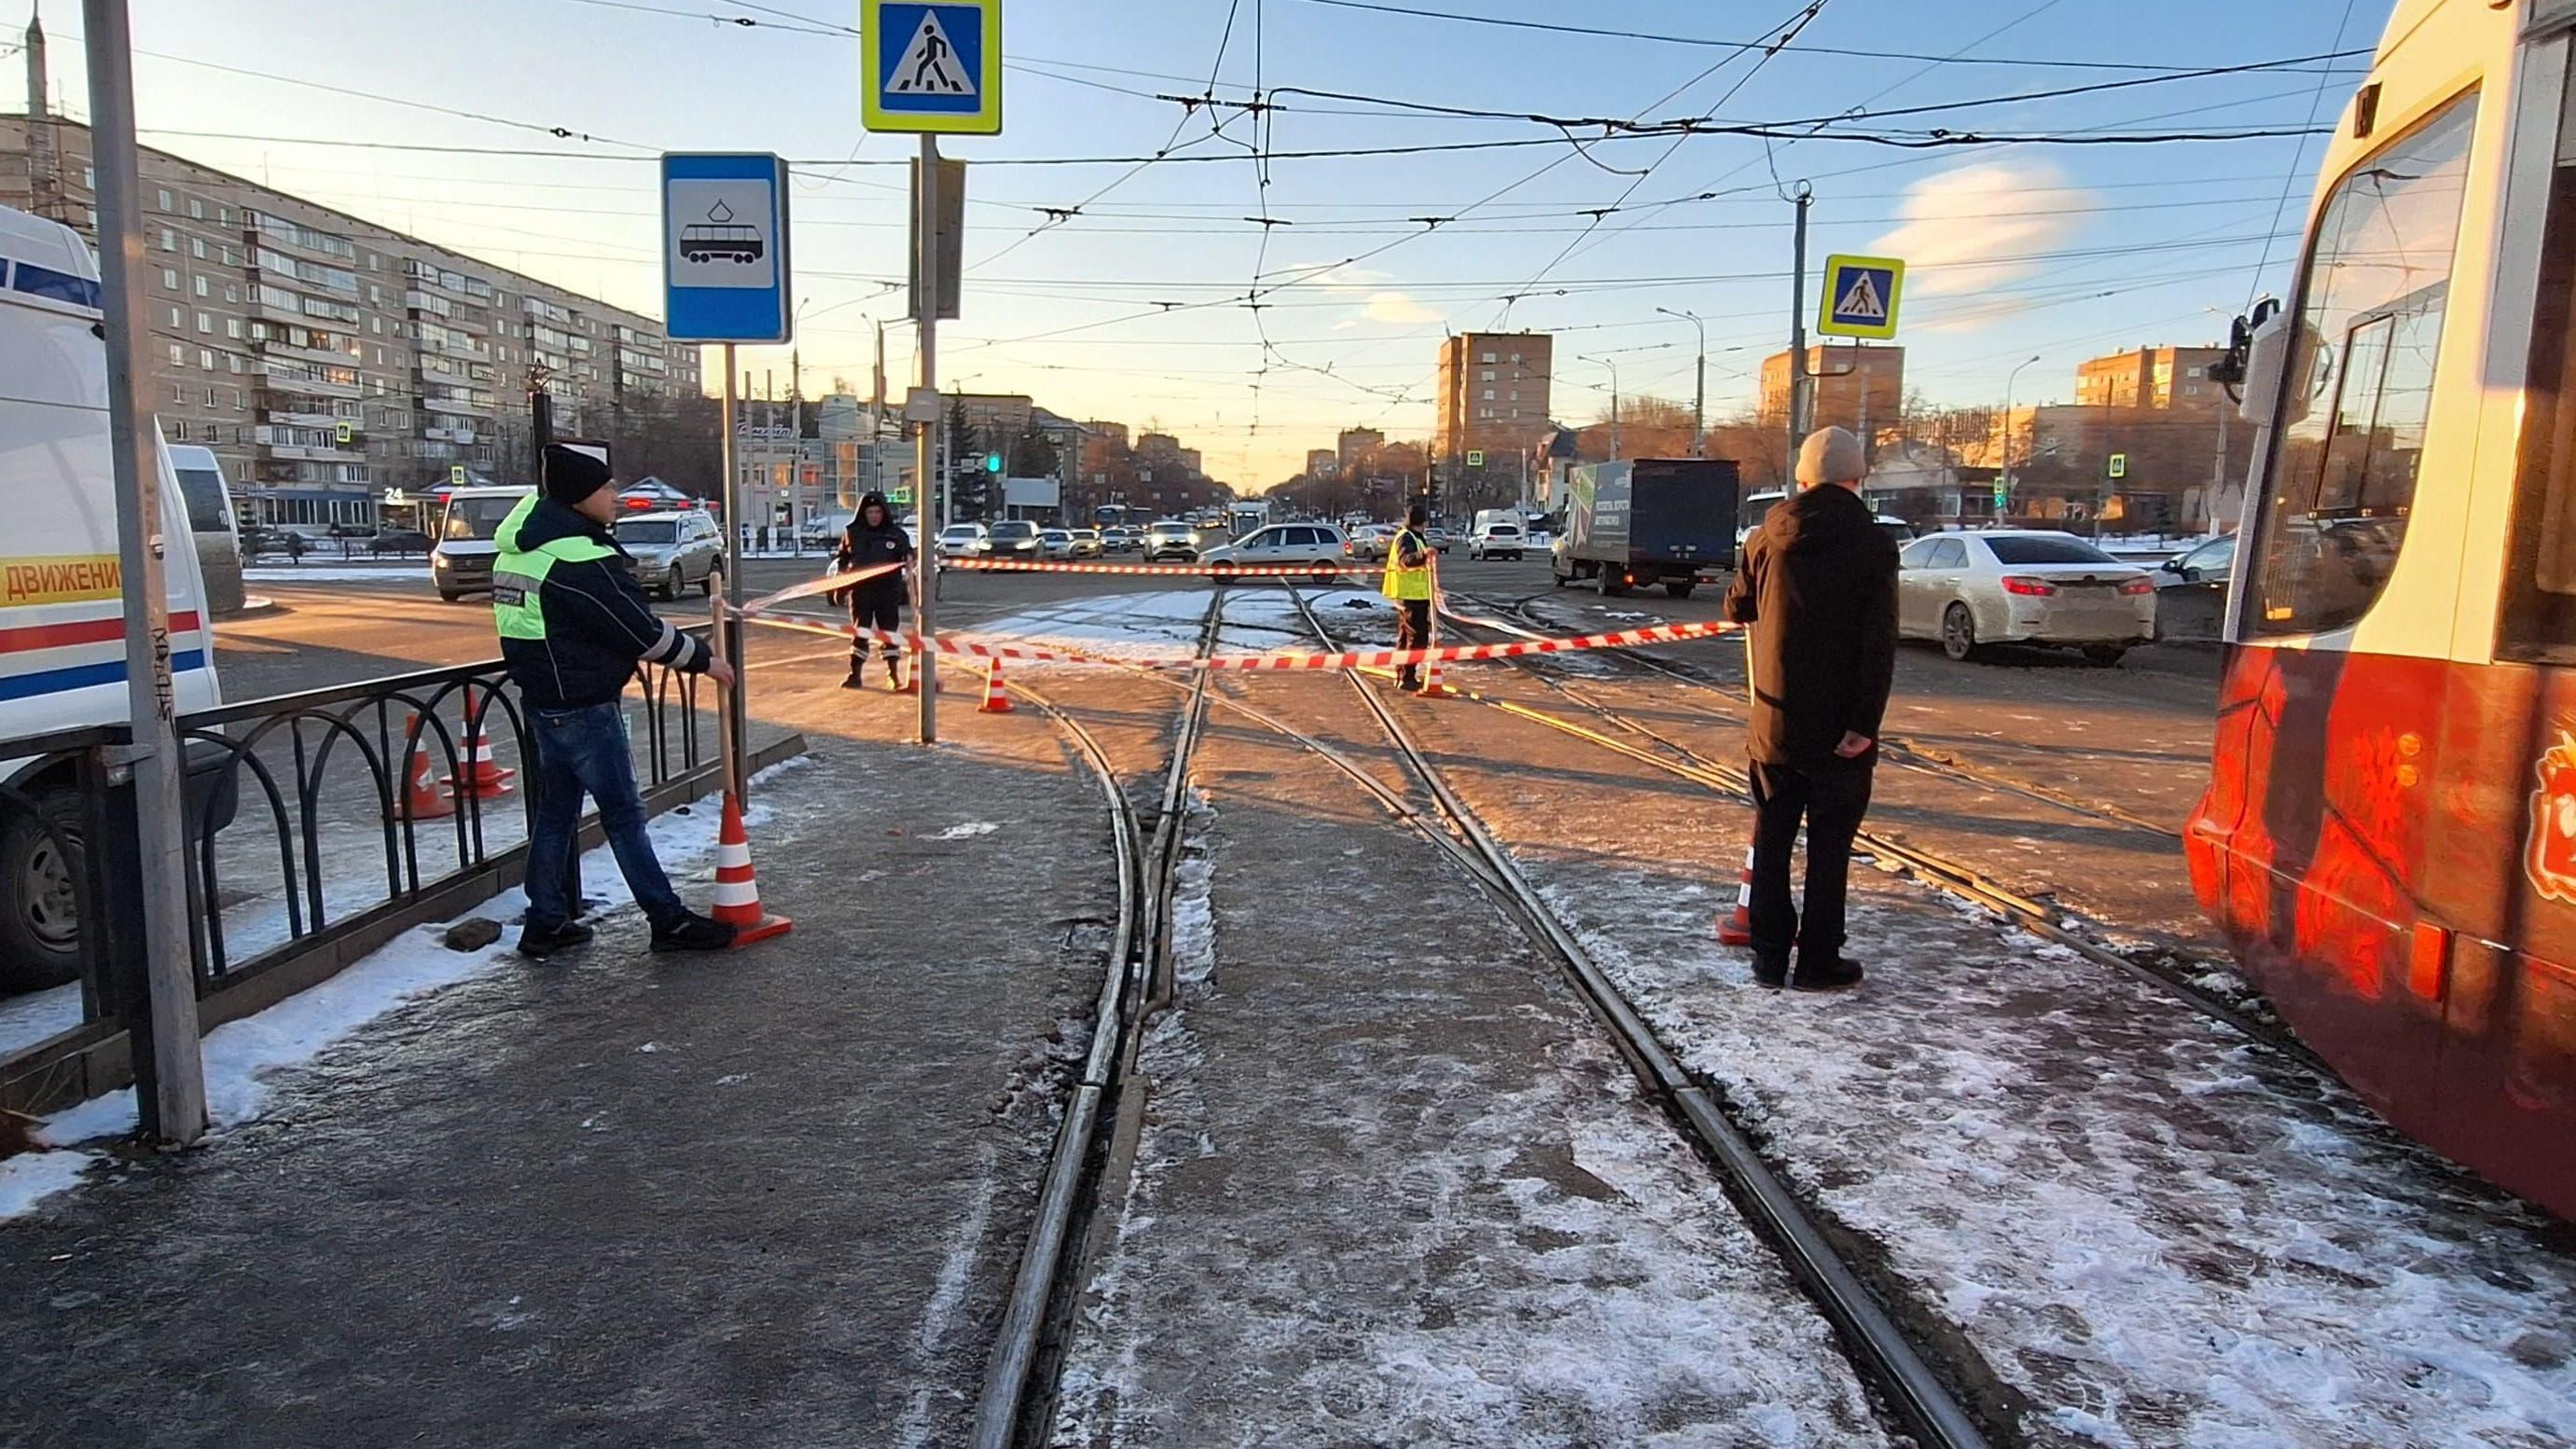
x: 1945, y: 873
x: 1882, y: 1352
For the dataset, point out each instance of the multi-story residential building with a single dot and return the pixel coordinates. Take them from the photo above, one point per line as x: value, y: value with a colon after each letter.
x: 1494, y: 390
x: 1354, y: 447
x: 2151, y: 377
x: 1856, y: 387
x: 327, y: 359
x: 1323, y: 463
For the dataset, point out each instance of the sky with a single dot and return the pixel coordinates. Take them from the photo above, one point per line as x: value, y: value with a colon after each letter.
x: 391, y: 109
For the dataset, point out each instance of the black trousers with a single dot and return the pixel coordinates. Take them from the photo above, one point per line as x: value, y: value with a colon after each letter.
x: 1412, y: 631
x: 875, y: 611
x: 1831, y: 802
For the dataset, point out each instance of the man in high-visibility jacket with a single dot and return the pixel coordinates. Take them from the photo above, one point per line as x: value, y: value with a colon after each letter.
x: 573, y: 627
x: 1408, y: 583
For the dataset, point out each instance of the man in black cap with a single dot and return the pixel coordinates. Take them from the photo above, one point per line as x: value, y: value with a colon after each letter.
x: 573, y: 627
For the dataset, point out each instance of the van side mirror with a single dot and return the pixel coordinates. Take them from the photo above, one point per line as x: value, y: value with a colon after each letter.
x: 2267, y: 355
x: 2173, y: 565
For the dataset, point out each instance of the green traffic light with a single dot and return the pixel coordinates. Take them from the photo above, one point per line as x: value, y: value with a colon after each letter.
x: 992, y: 462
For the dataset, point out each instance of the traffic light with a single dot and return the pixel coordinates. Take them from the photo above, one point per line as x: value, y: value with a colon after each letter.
x: 992, y: 462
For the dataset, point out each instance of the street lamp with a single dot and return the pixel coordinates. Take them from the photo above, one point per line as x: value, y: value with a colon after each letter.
x: 2009, y: 379
x: 1614, y: 400
x: 1699, y: 383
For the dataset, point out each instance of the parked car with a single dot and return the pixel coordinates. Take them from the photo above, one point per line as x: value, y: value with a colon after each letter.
x: 461, y: 563
x: 1439, y: 538
x: 399, y: 540
x: 1120, y: 539
x: 1016, y: 540
x: 1055, y: 543
x: 1319, y: 544
x: 669, y: 552
x: 1496, y: 540
x: 964, y: 540
x: 1372, y: 540
x: 2022, y: 586
x: 1171, y: 539
x: 2210, y: 562
x: 1087, y: 543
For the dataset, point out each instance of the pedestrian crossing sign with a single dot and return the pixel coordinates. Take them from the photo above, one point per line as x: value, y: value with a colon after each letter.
x: 934, y: 66
x: 1860, y: 296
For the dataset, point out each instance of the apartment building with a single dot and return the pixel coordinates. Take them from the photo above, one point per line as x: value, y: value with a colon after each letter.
x: 2151, y: 377
x: 1856, y: 387
x: 327, y: 359
x: 1494, y: 393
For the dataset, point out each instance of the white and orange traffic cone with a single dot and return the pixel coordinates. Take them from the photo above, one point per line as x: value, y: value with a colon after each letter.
x: 1432, y: 688
x: 419, y: 799
x: 737, y: 893
x: 997, y: 700
x: 1736, y: 928
x: 484, y: 779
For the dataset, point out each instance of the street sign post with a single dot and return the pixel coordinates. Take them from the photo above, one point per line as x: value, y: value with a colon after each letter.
x: 1860, y: 297
x: 1475, y: 457
x: 931, y: 68
x: 725, y: 279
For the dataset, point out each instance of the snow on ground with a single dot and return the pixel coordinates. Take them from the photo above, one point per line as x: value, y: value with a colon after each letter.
x: 2159, y: 1232
x: 1419, y: 1242
x: 338, y: 574
x: 1260, y: 617
x: 242, y: 1057
x: 31, y: 1018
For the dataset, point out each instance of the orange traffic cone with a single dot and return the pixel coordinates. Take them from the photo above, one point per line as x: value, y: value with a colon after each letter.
x: 997, y: 700
x: 1737, y: 928
x: 737, y: 894
x: 484, y: 779
x: 419, y: 801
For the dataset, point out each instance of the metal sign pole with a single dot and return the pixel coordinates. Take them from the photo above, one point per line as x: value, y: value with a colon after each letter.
x: 925, y: 240
x: 174, y: 1109
x: 731, y: 700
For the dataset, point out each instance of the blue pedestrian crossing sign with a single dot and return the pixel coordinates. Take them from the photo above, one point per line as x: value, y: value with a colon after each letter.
x: 1860, y: 296
x: 934, y: 66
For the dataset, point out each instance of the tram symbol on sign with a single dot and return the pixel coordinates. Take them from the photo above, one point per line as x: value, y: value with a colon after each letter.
x: 929, y: 66
x: 718, y: 239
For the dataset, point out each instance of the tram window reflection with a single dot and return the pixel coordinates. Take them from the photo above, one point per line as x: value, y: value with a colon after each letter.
x: 2539, y: 615
x: 2361, y: 380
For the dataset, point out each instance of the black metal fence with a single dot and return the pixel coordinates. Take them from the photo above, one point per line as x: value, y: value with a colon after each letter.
x: 319, y: 826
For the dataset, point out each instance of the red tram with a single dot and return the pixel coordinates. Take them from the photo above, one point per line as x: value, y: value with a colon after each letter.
x: 2389, y: 834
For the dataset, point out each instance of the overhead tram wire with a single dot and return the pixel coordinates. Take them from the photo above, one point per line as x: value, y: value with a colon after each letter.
x: 2298, y: 163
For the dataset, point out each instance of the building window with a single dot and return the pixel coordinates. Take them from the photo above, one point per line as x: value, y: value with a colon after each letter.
x: 232, y: 294
x: 178, y: 355
x: 196, y: 208
x: 178, y: 432
x: 234, y: 358
x: 376, y: 325
x: 197, y: 247
x: 169, y: 240
x: 205, y: 322
x: 1487, y: 358
x: 223, y: 216
x: 1489, y: 375
x: 169, y: 279
x: 1489, y: 396
x: 232, y: 328
x: 205, y: 359
x: 204, y: 287
x: 164, y: 197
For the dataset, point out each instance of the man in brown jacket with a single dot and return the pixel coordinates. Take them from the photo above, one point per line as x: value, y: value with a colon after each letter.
x: 1816, y: 587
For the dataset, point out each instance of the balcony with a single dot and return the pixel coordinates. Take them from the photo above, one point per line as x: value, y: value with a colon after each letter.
x: 312, y: 453
x: 462, y: 347
x: 298, y: 385
x: 430, y: 302
x: 319, y: 357
x: 457, y: 406
x: 447, y: 434
x: 290, y: 416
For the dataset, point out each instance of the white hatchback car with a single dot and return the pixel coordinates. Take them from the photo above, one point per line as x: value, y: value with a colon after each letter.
x: 2022, y: 586
x: 1319, y: 544
x: 964, y: 540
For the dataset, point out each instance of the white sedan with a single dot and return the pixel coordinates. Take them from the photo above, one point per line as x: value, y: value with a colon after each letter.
x: 1319, y: 544
x: 2022, y: 586
x: 1055, y: 543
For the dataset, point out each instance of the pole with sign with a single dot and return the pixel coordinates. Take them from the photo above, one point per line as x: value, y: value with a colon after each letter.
x: 933, y: 69
x: 725, y: 279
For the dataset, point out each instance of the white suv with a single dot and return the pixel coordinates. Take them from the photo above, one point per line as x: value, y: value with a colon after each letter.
x: 1497, y: 540
x: 964, y: 540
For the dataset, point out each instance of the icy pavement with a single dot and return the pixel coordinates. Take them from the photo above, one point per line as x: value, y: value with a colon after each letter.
x: 1260, y: 616
x: 2159, y: 1233
x: 1394, y: 1187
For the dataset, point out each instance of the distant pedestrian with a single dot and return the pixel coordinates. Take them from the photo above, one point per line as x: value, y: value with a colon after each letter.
x: 874, y: 540
x: 1408, y: 583
x: 1817, y: 586
x: 573, y: 627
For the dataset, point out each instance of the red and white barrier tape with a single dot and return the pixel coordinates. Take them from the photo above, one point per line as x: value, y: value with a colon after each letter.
x: 1275, y: 660
x: 1187, y: 570
x: 828, y: 583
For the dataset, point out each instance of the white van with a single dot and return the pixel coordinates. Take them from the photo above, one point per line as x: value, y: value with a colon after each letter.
x: 62, y: 630
x: 461, y: 561
x: 210, y: 517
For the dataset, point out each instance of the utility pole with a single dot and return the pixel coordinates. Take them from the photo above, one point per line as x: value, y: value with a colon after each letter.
x: 925, y: 236
x: 170, y: 1077
x: 1699, y: 383
x: 2009, y: 379
x: 1802, y: 393
x: 1613, y: 365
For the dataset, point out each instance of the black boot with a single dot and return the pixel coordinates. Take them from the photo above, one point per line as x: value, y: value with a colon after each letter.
x: 1771, y: 970
x: 1833, y: 973
x: 692, y: 932
x: 858, y: 676
x: 537, y: 944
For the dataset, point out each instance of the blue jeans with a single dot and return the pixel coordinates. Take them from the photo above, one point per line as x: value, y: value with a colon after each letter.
x: 585, y: 749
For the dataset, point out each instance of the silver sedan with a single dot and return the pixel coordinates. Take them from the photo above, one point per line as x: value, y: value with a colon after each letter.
x: 2022, y: 586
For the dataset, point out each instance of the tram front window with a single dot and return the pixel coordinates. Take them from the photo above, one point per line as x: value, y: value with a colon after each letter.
x: 2539, y: 616
x: 2360, y: 379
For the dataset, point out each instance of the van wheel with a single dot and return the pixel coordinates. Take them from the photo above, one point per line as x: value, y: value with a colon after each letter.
x: 1611, y: 588
x: 448, y: 596
x: 40, y: 892
x: 1678, y: 590
x: 1958, y: 632
x: 2103, y: 656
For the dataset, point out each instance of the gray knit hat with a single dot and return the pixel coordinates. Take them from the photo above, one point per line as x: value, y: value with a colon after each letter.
x: 1830, y: 455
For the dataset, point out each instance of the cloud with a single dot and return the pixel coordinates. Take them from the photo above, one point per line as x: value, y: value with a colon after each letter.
x: 1396, y: 307
x: 1956, y: 223
x: 1339, y: 277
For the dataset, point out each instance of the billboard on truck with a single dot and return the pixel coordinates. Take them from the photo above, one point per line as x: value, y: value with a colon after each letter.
x: 1643, y: 521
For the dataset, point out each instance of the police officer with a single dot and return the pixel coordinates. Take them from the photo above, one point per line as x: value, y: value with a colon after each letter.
x: 573, y: 627
x: 1408, y: 583
x: 873, y: 540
